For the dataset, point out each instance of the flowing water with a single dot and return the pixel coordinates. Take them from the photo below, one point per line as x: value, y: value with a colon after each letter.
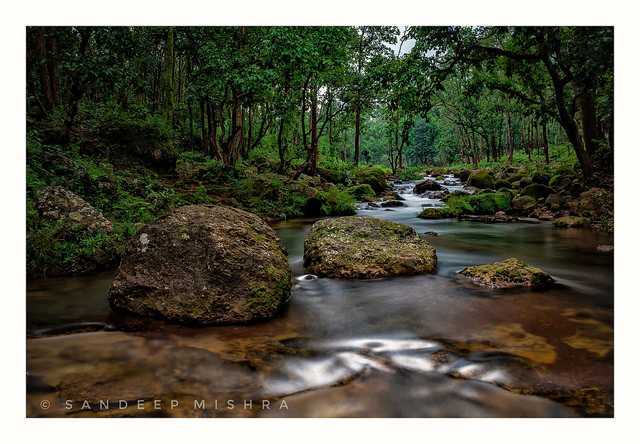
x: 429, y: 345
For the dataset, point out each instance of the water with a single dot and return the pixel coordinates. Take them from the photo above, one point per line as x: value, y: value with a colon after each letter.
x: 430, y: 345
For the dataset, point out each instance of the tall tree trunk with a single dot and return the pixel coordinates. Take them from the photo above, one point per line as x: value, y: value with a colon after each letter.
x: 356, y: 141
x: 313, y: 149
x: 282, y: 149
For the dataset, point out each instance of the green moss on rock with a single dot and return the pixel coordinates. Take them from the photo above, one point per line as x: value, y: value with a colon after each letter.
x: 364, y: 247
x: 436, y: 213
x: 203, y: 264
x: 510, y: 273
x: 481, y: 179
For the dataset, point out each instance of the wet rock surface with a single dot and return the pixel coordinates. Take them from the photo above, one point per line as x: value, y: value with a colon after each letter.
x: 363, y: 247
x: 204, y: 264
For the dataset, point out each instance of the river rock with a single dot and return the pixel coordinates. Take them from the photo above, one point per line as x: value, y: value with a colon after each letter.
x: 426, y: 185
x: 570, y: 222
x: 436, y: 213
x: 510, y: 273
x: 60, y: 204
x: 204, y: 264
x: 363, y: 247
x: 554, y: 201
x: 523, y: 203
x: 392, y: 203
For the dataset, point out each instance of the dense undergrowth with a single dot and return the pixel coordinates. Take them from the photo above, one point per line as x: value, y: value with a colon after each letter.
x: 134, y: 180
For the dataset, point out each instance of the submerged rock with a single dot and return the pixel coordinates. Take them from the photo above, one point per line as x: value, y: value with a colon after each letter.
x: 392, y: 203
x: 570, y: 222
x: 60, y: 204
x: 509, y: 273
x: 364, y: 247
x: 426, y: 185
x: 204, y: 264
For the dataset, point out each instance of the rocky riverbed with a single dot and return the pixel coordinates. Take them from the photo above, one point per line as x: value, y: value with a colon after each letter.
x: 423, y: 345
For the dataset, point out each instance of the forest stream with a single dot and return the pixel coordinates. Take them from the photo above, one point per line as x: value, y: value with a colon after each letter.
x: 419, y: 346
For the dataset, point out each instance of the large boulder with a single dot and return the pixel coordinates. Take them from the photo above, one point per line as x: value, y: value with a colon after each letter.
x: 60, y: 204
x: 426, y: 185
x: 364, y: 247
x: 204, y: 264
x: 481, y: 179
x: 510, y: 273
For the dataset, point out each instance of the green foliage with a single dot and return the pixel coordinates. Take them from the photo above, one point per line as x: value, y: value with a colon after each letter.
x: 414, y: 172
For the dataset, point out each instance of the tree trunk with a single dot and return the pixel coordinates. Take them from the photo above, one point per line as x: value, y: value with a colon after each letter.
x: 356, y: 142
x: 545, y: 142
x: 313, y: 149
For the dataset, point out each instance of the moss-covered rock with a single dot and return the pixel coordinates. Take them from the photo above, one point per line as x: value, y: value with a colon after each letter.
x: 463, y: 175
x: 489, y: 203
x: 540, y: 178
x: 436, y: 213
x: 203, y: 264
x: 481, y: 179
x: 536, y: 190
x: 560, y: 181
x: 502, y: 183
x: 374, y: 176
x: 510, y: 273
x: 362, y: 192
x: 523, y: 203
x: 364, y: 247
x: 571, y: 222
x: 426, y: 185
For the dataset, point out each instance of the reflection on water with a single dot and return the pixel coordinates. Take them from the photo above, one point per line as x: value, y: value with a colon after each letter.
x: 429, y: 345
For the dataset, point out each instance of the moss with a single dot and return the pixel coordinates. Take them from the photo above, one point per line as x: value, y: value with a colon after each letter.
x: 482, y: 203
x: 507, y: 274
x: 364, y: 247
x: 490, y: 203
